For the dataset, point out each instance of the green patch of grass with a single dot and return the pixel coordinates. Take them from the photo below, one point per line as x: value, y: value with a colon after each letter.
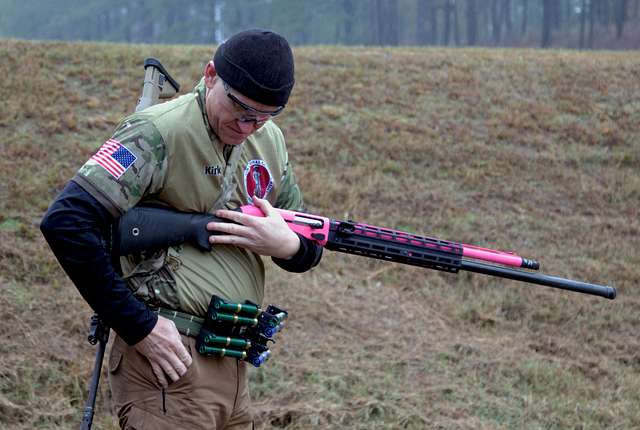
x: 10, y: 225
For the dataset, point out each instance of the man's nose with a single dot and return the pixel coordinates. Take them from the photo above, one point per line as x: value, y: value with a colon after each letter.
x: 246, y: 127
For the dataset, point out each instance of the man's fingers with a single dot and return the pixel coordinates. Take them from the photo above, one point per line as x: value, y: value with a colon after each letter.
x: 235, y: 216
x: 264, y: 205
x: 179, y: 368
x: 172, y: 369
x: 230, y: 240
x: 184, y: 356
x: 165, y: 352
x: 157, y: 370
x: 176, y: 359
x: 229, y: 228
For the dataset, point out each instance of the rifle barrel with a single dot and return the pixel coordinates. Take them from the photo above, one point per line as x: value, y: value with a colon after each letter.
x: 540, y: 279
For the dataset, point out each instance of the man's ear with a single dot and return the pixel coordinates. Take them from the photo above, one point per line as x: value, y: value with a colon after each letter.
x: 210, y: 75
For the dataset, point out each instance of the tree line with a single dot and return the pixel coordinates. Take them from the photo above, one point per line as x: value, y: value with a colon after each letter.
x: 580, y: 24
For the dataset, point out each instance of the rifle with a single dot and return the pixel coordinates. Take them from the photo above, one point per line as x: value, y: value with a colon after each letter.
x: 146, y: 228
x: 153, y: 89
x: 400, y: 247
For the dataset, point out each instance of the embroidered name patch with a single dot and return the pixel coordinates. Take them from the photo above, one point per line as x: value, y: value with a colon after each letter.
x: 257, y: 179
x: 213, y: 170
x: 114, y: 157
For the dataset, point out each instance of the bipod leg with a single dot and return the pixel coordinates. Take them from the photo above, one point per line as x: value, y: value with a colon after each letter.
x: 98, y: 333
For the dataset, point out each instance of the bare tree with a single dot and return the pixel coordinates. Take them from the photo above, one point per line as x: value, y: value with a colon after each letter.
x: 583, y: 21
x: 347, y: 9
x: 373, y: 33
x: 456, y: 23
x: 392, y: 34
x: 387, y: 22
x: 422, y: 36
x: 472, y: 22
x: 568, y: 13
x: 508, y: 19
x: 447, y: 10
x: 603, y: 12
x: 496, y: 21
x: 525, y: 16
x: 433, y: 23
x: 592, y: 21
x: 547, y: 16
x: 621, y: 15
x: 556, y: 14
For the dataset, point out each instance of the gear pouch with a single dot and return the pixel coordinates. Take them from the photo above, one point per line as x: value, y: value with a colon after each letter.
x: 150, y: 276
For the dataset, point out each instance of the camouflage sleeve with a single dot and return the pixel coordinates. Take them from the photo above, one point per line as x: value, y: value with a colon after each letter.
x: 290, y: 196
x: 127, y: 167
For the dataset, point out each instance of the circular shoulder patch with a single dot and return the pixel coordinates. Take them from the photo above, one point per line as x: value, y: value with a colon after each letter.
x: 257, y: 180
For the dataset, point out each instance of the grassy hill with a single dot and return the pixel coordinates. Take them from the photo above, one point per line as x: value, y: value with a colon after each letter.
x: 536, y: 151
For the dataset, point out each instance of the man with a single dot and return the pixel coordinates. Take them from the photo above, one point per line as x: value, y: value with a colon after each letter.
x: 207, y: 151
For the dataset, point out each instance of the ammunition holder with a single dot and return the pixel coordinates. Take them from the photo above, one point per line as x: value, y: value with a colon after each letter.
x: 239, y: 330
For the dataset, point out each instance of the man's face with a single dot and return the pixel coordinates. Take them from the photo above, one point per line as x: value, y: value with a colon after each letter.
x: 232, y: 116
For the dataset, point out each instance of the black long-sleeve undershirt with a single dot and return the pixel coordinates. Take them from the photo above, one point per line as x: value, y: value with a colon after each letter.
x: 307, y: 257
x: 76, y: 227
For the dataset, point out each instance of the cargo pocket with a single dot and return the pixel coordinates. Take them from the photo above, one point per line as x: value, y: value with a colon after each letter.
x: 115, y: 357
x: 117, y: 380
x: 151, y: 277
x: 139, y: 419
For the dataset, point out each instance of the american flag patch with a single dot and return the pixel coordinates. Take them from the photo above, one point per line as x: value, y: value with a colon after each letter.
x: 114, y: 157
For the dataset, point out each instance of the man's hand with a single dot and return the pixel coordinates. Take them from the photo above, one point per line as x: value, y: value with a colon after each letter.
x: 265, y: 236
x: 165, y: 351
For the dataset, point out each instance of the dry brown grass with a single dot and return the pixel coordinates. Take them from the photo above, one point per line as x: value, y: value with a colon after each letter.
x: 520, y: 149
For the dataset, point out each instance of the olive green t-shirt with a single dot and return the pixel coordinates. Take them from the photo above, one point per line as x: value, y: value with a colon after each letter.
x: 167, y: 154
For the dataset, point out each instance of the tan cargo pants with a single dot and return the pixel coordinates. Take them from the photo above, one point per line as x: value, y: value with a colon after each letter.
x: 212, y: 395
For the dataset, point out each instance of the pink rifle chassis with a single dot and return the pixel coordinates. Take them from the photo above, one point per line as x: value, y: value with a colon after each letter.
x: 401, y: 247
x: 317, y: 228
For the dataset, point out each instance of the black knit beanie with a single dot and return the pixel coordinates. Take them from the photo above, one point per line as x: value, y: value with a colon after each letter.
x: 258, y: 64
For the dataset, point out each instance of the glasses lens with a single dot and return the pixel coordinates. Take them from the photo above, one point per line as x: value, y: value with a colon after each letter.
x: 252, y: 112
x: 255, y: 119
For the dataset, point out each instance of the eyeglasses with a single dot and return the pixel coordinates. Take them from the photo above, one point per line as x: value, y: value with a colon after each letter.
x: 246, y: 113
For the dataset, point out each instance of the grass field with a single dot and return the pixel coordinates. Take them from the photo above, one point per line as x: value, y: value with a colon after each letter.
x: 536, y: 151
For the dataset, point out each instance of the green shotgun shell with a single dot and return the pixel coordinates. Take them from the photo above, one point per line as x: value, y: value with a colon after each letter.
x: 223, y: 352
x: 236, y: 308
x: 234, y: 319
x: 212, y: 339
